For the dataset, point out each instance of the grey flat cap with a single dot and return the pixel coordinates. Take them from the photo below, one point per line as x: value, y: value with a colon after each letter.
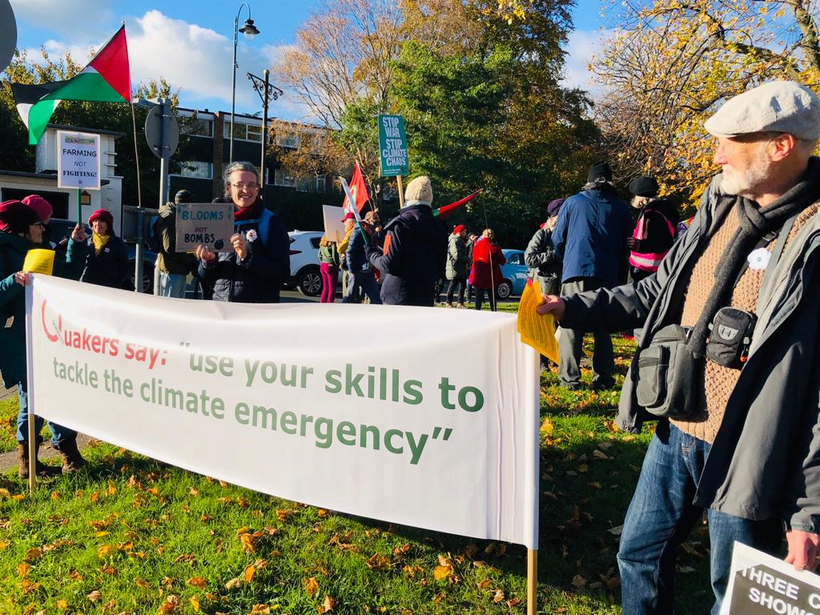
x: 778, y: 106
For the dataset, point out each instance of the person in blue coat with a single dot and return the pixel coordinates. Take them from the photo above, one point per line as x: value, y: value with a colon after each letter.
x: 590, y: 238
x: 259, y: 260
x: 415, y: 249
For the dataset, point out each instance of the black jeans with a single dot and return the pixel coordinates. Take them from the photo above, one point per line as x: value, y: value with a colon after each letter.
x: 462, y: 284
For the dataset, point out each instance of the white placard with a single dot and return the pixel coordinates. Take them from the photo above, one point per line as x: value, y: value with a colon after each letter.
x: 760, y: 584
x: 418, y: 416
x: 78, y: 160
x: 334, y: 227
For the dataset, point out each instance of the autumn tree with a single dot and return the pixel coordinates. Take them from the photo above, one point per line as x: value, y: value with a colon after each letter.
x: 672, y: 63
x: 17, y: 154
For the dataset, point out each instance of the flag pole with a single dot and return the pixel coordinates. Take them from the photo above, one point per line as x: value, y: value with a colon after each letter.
x: 401, y: 191
x: 136, y: 153
x: 79, y: 206
x: 355, y: 210
x: 532, y: 581
x: 32, y: 450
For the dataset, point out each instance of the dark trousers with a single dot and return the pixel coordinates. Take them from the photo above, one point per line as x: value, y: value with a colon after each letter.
x: 570, y: 344
x: 461, y: 283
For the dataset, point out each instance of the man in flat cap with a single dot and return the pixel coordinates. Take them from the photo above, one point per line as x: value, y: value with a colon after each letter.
x: 729, y: 357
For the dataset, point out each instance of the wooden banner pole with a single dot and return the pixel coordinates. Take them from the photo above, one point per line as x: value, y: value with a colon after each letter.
x: 532, y: 581
x: 32, y: 450
x: 401, y: 191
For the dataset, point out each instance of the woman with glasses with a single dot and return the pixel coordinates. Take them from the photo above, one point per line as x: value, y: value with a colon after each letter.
x: 107, y: 261
x: 21, y: 230
x: 258, y: 260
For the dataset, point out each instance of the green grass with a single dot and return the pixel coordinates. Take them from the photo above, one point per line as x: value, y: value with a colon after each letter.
x: 130, y: 535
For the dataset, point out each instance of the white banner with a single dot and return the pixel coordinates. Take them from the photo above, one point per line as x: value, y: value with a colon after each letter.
x: 417, y: 416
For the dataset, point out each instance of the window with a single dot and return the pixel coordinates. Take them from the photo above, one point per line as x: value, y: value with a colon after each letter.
x: 282, y: 178
x: 516, y: 259
x: 291, y: 141
x: 245, y: 132
x: 196, y: 127
x: 320, y: 183
x: 195, y: 168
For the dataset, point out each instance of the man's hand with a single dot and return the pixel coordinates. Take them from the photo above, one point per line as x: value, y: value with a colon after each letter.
x: 78, y: 233
x: 240, y: 245
x: 204, y: 254
x: 22, y: 278
x: 550, y: 304
x: 633, y: 244
x: 804, y: 547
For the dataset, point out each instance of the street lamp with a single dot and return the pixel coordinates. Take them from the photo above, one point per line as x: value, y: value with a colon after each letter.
x: 249, y: 30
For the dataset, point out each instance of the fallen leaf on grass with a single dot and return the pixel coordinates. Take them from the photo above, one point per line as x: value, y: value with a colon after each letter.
x: 22, y: 570
x: 311, y: 586
x: 170, y: 605
x: 578, y: 581
x: 547, y: 427
x: 260, y: 609
x: 142, y: 583
x: 194, y: 603
x: 94, y: 596
x: 197, y: 582
x: 249, y: 572
x: 33, y: 554
x: 329, y: 604
x: 234, y: 583
x: 442, y: 572
x: 499, y: 596
x: 601, y: 455
x: 378, y: 562
x: 514, y: 602
x: 595, y: 485
x: 484, y: 584
x: 604, y: 445
x: 61, y: 604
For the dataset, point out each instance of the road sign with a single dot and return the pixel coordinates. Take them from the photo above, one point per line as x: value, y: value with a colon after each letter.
x: 162, y: 129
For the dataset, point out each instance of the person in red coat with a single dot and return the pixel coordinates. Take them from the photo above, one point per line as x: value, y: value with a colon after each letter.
x: 486, y: 271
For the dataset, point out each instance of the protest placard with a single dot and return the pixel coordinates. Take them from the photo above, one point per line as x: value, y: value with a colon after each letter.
x: 78, y: 160
x: 383, y: 426
x: 392, y: 146
x: 334, y: 227
x: 764, y: 585
x: 209, y: 224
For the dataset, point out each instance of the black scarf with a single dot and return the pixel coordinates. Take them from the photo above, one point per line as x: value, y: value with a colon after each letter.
x: 754, y: 223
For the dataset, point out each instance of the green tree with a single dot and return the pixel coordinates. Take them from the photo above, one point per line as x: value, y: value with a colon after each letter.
x: 18, y: 155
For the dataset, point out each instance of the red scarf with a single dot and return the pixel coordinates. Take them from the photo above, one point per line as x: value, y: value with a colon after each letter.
x: 248, y: 213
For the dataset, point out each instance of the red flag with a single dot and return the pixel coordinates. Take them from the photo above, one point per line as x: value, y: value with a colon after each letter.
x: 446, y: 210
x: 358, y: 189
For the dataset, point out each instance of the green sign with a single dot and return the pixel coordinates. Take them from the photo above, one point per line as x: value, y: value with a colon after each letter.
x: 392, y: 145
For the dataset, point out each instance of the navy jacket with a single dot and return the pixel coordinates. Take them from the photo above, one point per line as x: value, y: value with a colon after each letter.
x: 416, y: 251
x: 258, y: 278
x: 590, y: 235
x: 110, y: 267
x: 355, y: 256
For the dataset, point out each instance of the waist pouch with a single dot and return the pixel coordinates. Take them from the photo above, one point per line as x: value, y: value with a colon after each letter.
x: 668, y: 383
x: 730, y: 336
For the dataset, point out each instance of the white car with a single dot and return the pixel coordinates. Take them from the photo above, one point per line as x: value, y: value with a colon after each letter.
x: 304, y: 262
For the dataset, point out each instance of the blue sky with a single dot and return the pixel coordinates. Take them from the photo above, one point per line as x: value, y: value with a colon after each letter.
x: 190, y: 42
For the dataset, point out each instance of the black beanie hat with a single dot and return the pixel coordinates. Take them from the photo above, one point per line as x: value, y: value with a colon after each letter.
x: 644, y: 186
x: 599, y: 172
x: 183, y: 196
x: 16, y: 217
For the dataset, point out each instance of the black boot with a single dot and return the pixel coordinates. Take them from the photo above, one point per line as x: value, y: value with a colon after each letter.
x: 42, y: 469
x: 72, y: 460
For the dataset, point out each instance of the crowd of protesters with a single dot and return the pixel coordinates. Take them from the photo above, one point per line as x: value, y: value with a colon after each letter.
x: 731, y: 300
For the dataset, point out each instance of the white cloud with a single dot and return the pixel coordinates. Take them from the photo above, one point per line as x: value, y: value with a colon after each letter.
x: 581, y: 47
x: 85, y: 19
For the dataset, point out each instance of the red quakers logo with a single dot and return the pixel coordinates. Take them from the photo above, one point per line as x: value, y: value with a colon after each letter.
x: 55, y: 324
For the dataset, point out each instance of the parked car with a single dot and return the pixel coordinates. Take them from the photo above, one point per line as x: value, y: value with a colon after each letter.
x: 304, y: 262
x: 61, y: 229
x: 514, y: 273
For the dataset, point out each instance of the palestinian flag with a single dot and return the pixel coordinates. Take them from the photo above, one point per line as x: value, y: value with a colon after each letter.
x: 107, y: 78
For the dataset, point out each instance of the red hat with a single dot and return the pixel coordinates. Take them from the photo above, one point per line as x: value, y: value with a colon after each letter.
x: 458, y: 229
x: 348, y: 216
x: 104, y: 215
x: 39, y: 205
x: 16, y: 217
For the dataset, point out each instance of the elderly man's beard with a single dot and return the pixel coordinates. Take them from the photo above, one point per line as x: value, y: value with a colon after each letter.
x: 744, y: 183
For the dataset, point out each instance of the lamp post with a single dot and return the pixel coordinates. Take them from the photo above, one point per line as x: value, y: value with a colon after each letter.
x: 267, y: 92
x: 249, y: 30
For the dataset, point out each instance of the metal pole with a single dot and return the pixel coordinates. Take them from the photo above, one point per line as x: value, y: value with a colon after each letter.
x: 266, y: 73
x: 233, y: 81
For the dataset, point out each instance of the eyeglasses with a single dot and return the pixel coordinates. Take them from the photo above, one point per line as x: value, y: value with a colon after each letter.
x: 40, y: 224
x: 250, y: 187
